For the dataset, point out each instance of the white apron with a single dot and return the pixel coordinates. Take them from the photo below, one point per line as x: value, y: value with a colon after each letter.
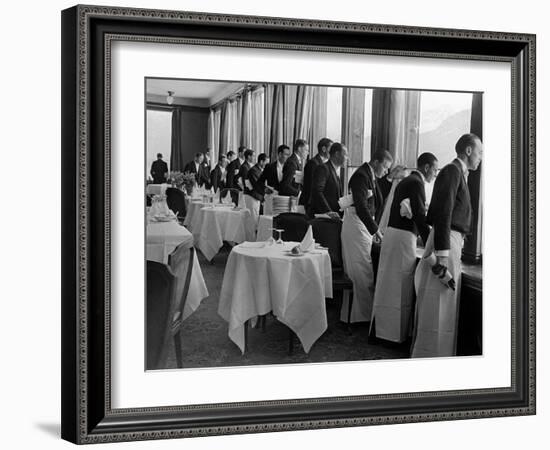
x: 436, y: 315
x: 356, y: 248
x: 253, y: 206
x: 394, y: 291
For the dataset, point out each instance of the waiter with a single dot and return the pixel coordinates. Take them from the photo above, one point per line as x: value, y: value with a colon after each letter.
x: 450, y: 214
x: 253, y: 189
x: 233, y: 169
x: 321, y: 157
x: 159, y: 170
x: 197, y: 168
x: 394, y: 292
x: 358, y: 230
x: 328, y: 183
x: 291, y: 183
x: 219, y: 174
x: 273, y: 172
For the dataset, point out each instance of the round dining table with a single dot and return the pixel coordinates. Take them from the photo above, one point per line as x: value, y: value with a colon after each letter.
x: 263, y: 277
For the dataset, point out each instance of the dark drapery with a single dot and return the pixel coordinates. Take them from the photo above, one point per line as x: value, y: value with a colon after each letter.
x: 381, y: 103
x: 277, y: 120
x: 176, y: 157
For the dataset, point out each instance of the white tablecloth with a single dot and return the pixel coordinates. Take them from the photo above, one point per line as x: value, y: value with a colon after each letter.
x: 259, y: 279
x: 213, y: 225
x: 265, y: 224
x: 162, y: 239
x: 192, y: 207
x: 156, y: 189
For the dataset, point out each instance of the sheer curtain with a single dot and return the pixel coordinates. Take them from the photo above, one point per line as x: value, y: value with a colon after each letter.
x: 257, y: 120
x: 395, y: 124
x: 246, y: 117
x: 318, y: 119
x: 303, y: 112
x: 276, y: 137
x: 212, y: 137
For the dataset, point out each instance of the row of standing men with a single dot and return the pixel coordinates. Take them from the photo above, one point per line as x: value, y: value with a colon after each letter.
x: 391, y: 212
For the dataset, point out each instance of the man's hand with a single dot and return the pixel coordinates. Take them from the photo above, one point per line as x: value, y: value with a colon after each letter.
x: 378, y: 236
x: 333, y: 215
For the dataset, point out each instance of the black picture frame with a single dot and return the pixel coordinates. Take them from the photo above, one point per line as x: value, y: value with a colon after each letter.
x: 87, y: 415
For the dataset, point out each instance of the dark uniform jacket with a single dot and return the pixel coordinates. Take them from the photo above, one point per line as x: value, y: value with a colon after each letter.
x: 202, y: 176
x: 450, y: 207
x: 326, y: 189
x: 411, y: 187
x: 216, y: 178
x: 254, y: 176
x: 243, y: 173
x: 158, y: 171
x: 288, y: 186
x: 366, y: 207
x: 232, y: 174
x: 309, y: 169
x: 269, y: 176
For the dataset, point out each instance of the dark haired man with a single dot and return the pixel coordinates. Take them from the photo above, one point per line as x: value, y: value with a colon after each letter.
x: 323, y: 147
x: 438, y: 274
x: 291, y: 183
x: 233, y: 170
x: 196, y: 167
x: 218, y: 175
x: 273, y: 172
x: 253, y: 188
x: 358, y: 231
x: 328, y: 182
x: 159, y: 170
x: 394, y: 292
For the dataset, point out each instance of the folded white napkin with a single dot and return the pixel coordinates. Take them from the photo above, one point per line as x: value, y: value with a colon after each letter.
x: 241, y: 201
x: 227, y: 199
x: 308, y: 243
x: 405, y: 208
x: 345, y: 202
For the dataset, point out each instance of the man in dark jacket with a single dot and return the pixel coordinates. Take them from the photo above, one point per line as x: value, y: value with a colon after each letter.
x: 328, y: 182
x: 273, y: 172
x: 291, y: 183
x: 321, y: 157
x: 394, y: 292
x: 159, y: 170
x: 233, y: 170
x: 196, y: 167
x: 253, y: 188
x: 439, y: 271
x: 218, y: 176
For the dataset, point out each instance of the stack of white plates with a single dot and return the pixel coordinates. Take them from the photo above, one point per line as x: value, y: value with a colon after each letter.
x: 281, y: 204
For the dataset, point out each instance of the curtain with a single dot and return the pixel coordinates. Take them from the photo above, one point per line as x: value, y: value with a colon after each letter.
x: 246, y: 117
x: 212, y: 137
x: 257, y: 120
x: 318, y: 120
x: 289, y: 105
x: 268, y: 109
x: 395, y: 124
x: 277, y: 120
x: 217, y: 126
x: 176, y: 157
x: 353, y: 122
x: 303, y: 111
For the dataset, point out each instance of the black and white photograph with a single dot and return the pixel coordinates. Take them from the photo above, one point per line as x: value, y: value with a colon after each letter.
x: 295, y: 224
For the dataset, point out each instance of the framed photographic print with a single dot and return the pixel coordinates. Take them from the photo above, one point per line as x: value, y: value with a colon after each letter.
x: 282, y: 224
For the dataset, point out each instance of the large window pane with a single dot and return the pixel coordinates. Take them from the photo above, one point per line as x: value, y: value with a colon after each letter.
x: 444, y: 117
x: 159, y: 137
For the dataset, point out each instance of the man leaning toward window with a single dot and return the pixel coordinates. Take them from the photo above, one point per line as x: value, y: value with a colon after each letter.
x: 438, y: 274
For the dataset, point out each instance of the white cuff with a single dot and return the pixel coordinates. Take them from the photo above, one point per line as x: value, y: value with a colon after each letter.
x: 444, y: 253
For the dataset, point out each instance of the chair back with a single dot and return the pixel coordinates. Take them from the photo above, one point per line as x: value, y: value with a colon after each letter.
x: 175, y: 199
x: 294, y: 224
x: 161, y: 286
x: 234, y: 194
x: 327, y: 232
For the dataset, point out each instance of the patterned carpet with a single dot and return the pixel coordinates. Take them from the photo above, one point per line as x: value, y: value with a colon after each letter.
x: 205, y: 342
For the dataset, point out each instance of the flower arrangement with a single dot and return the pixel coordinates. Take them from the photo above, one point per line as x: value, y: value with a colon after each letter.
x: 176, y: 178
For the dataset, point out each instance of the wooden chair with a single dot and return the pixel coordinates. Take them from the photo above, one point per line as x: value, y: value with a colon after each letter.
x: 165, y: 304
x: 294, y: 224
x: 175, y: 199
x: 327, y: 232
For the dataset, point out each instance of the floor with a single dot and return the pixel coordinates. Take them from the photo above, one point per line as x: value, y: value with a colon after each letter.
x: 205, y: 342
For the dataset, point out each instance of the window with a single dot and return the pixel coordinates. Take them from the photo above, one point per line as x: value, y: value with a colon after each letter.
x: 159, y: 137
x: 444, y: 117
x: 367, y: 129
x: 334, y: 113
